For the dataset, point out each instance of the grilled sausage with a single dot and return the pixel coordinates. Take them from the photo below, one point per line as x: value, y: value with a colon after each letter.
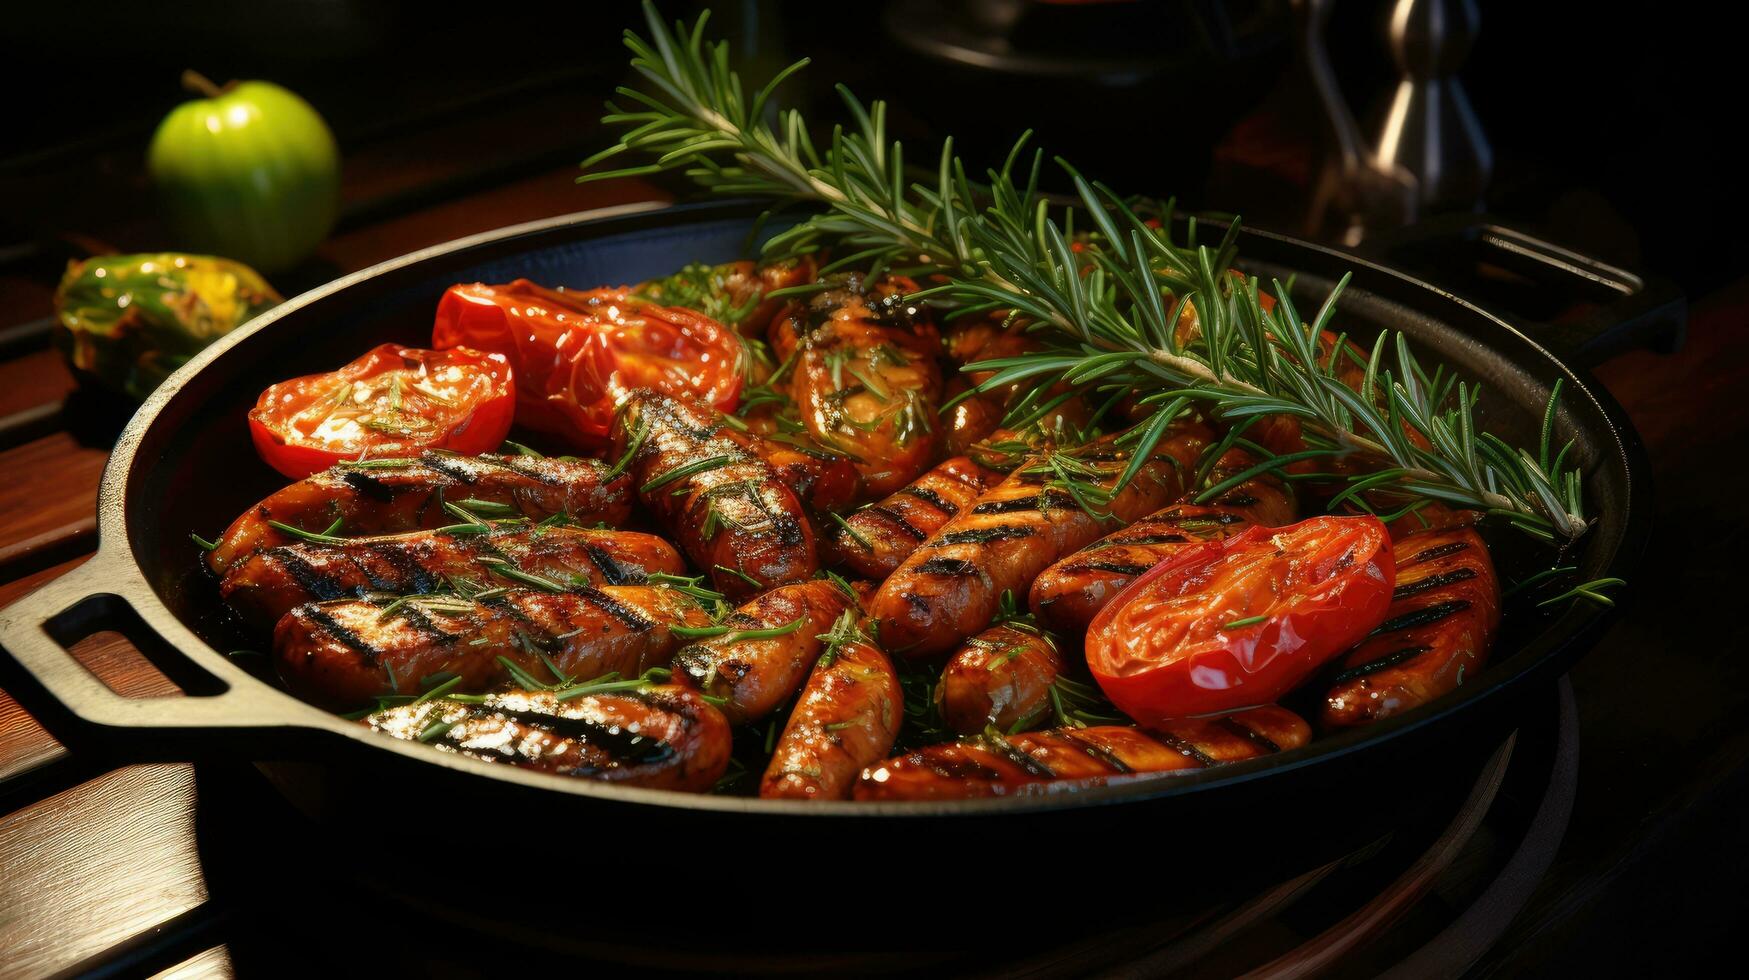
x: 733, y: 293
x: 723, y: 504
x: 978, y: 417
x: 754, y: 676
x: 865, y: 379
x: 950, y: 587
x: 1066, y: 596
x: 1443, y: 614
x: 1001, y: 677
x: 265, y: 585
x: 873, y: 541
x: 348, y: 651
x: 1067, y: 759
x: 390, y: 496
x: 847, y: 717
x: 664, y: 737
x: 825, y: 481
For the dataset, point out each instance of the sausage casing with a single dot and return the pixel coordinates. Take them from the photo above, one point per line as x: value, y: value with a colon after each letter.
x: 265, y: 585
x: 724, y: 505
x: 951, y: 586
x: 874, y: 540
x: 1001, y: 677
x: 1065, y: 759
x: 392, y: 496
x: 755, y: 676
x: 848, y: 716
x: 663, y: 737
x: 1443, y: 614
x: 346, y: 652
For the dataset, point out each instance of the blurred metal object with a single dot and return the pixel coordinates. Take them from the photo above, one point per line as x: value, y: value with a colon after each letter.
x: 1358, y: 192
x: 1431, y: 130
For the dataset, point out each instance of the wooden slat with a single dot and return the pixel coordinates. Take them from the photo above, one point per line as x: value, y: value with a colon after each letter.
x: 96, y: 865
x: 50, y: 489
x: 24, y: 745
x: 38, y: 378
x: 209, y: 965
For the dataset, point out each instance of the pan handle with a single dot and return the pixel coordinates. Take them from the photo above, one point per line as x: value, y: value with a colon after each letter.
x: 39, y: 631
x: 1584, y: 309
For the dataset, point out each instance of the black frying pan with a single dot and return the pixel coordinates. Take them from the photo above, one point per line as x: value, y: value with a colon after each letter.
x: 185, y: 463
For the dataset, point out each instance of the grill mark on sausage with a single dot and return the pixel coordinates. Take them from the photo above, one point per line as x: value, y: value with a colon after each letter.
x: 899, y: 523
x: 313, y: 580
x: 368, y: 486
x: 1114, y: 567
x: 630, y: 617
x: 951, y: 567
x: 1440, y: 580
x: 1144, y: 539
x: 1440, y: 552
x: 1185, y: 749
x: 624, y: 747
x: 413, y: 576
x: 1373, y: 666
x: 1020, y: 757
x: 1421, y: 617
x: 933, y: 499
x: 1097, y: 751
x: 960, y: 768
x: 450, y: 467
x: 338, y: 630
x: 415, y: 617
x: 611, y: 570
x: 1250, y: 734
x: 982, y: 535
x: 1044, y: 500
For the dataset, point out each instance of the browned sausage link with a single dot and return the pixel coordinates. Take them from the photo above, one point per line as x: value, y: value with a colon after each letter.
x: 346, y: 652
x: 1442, y: 618
x: 724, y: 505
x: 950, y: 587
x: 864, y: 376
x: 847, y: 717
x: 1067, y: 596
x: 662, y: 737
x: 1001, y: 677
x: 754, y: 676
x: 1066, y: 759
x: 824, y: 480
x: 267, y: 584
x: 390, y: 497
x: 873, y: 541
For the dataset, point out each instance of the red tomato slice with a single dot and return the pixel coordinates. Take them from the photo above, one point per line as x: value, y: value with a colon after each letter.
x: 394, y: 401
x: 578, y: 354
x: 1237, y: 623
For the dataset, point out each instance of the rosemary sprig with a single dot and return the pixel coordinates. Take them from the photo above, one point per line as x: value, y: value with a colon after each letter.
x: 1109, y: 309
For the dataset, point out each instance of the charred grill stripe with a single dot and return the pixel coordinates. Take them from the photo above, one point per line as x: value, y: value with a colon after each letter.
x: 899, y: 523
x: 628, y: 616
x: 318, y: 583
x: 1421, y: 617
x: 955, y: 768
x: 451, y: 467
x: 983, y: 535
x: 1044, y: 500
x: 338, y: 631
x: 1238, y: 500
x: 366, y: 485
x: 610, y: 569
x: 1144, y: 539
x: 950, y: 567
x: 1097, y: 751
x: 1441, y: 580
x: 1020, y: 757
x: 1391, y: 659
x: 1113, y: 567
x: 1440, y: 552
x: 532, y: 468
x: 1249, y: 734
x: 1185, y: 748
x: 676, y: 422
x: 932, y: 498
x: 421, y: 623
x: 623, y: 747
x: 410, y: 575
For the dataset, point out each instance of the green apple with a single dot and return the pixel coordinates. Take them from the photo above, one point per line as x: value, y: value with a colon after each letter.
x: 251, y: 173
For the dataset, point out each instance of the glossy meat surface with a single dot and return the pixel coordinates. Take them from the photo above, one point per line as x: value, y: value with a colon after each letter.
x: 847, y: 716
x: 345, y: 652
x: 1066, y: 759
x: 664, y: 737
x: 874, y: 540
x: 755, y: 675
x: 726, y: 508
x: 395, y: 496
x: 1443, y: 614
x: 1001, y: 677
x: 266, y: 585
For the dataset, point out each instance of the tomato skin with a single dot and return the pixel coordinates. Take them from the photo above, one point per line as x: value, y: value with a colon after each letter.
x: 474, y: 417
x: 1158, y: 650
x: 578, y: 354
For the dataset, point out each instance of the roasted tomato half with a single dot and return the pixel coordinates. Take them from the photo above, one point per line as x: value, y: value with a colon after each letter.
x: 1235, y: 623
x: 577, y: 354
x: 394, y: 401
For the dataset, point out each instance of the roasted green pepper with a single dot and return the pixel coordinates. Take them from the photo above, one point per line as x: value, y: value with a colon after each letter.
x: 128, y: 321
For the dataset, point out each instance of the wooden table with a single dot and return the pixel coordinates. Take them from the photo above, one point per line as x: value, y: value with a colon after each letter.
x: 101, y: 865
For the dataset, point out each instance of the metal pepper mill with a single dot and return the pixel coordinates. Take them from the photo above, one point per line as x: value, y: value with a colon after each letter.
x: 1430, y: 130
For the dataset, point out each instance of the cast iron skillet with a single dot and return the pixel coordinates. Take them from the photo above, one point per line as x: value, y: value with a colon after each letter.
x: 185, y: 464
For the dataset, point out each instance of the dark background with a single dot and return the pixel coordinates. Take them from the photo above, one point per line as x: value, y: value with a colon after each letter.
x: 1610, y: 132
